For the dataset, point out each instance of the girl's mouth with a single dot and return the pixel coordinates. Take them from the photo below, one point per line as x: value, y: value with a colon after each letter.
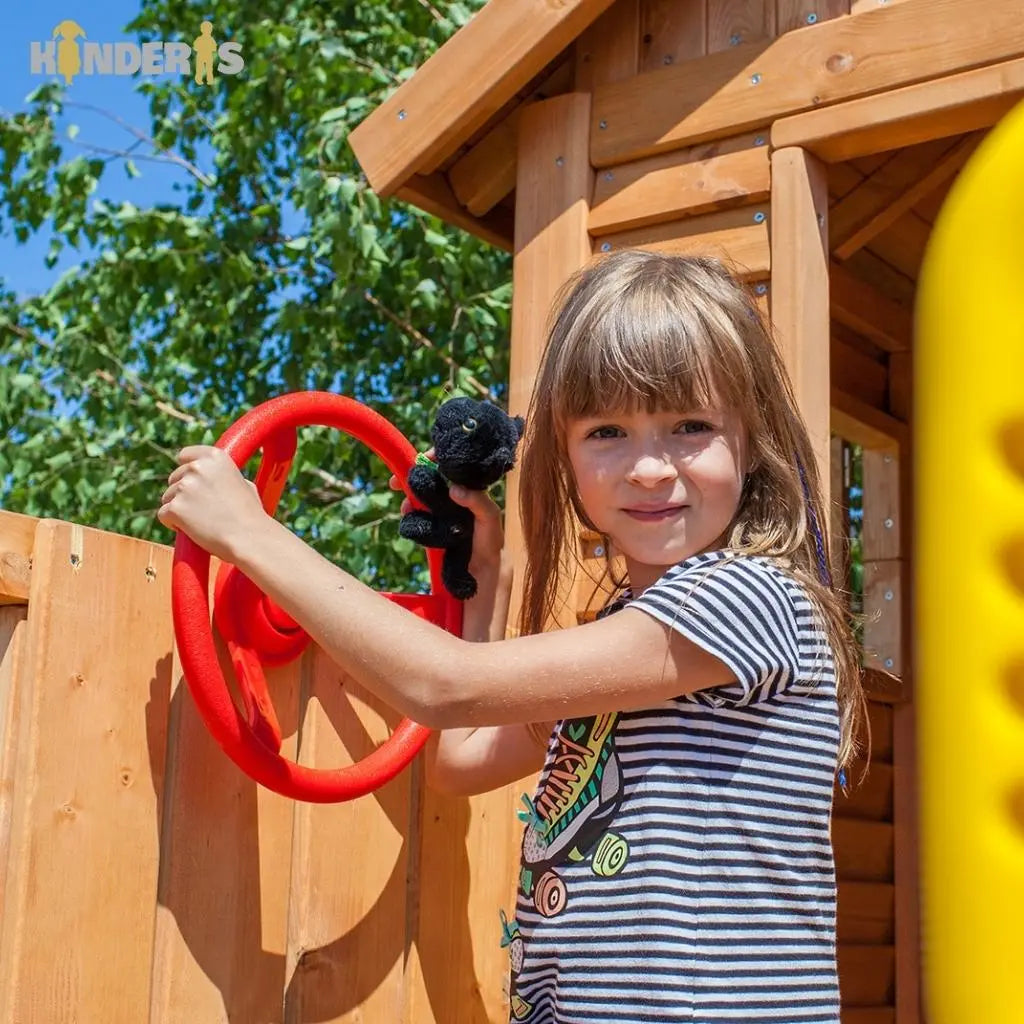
x: 648, y: 515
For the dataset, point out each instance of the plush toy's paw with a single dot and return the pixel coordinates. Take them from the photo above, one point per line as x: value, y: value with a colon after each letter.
x: 460, y: 583
x: 427, y: 484
x: 420, y: 527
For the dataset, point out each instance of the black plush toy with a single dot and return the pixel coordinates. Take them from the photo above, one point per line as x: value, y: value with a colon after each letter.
x: 475, y: 446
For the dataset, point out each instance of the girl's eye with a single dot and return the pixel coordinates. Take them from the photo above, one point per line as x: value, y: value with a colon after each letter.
x: 695, y: 426
x: 602, y: 433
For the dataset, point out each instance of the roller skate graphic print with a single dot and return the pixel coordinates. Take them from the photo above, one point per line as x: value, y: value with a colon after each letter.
x: 569, y: 817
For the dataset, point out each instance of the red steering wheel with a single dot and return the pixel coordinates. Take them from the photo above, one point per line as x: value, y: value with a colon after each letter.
x: 257, y: 632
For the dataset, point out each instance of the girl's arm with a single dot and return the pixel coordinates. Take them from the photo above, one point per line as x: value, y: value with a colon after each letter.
x: 628, y: 660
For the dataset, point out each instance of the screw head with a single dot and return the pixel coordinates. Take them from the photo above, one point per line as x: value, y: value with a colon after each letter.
x: 755, y: 79
x: 667, y: 59
x: 609, y: 175
x: 811, y: 18
x: 761, y: 289
x: 888, y: 524
x: 889, y: 595
x: 598, y: 550
x: 559, y: 161
x: 735, y: 39
x: 606, y: 247
x: 759, y: 141
x: 401, y: 115
x: 889, y: 663
x: 602, y: 125
x: 759, y: 217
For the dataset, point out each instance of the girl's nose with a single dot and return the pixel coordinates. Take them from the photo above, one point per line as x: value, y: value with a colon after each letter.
x: 649, y: 470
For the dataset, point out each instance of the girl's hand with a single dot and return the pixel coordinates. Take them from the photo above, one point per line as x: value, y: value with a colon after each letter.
x: 208, y: 499
x: 488, y: 534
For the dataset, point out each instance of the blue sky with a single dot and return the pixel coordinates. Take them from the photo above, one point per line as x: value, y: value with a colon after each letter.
x: 22, y: 267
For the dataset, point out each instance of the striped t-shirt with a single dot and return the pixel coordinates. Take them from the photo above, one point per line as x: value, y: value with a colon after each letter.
x: 677, y: 863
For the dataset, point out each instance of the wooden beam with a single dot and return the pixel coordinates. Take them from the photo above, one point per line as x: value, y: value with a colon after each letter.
x: 952, y: 105
x: 487, y: 173
x: 865, y: 425
x: 863, y: 309
x: 858, y: 218
x: 800, y: 303
x: 468, y: 80
x: 553, y: 186
x: 738, y: 237
x: 755, y: 84
x: 702, y: 179
x: 863, y: 377
x: 433, y: 195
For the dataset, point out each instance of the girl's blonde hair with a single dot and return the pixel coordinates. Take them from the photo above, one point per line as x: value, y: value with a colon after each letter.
x: 641, y: 330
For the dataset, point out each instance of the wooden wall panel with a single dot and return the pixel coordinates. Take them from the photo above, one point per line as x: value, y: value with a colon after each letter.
x: 795, y: 14
x: 734, y: 22
x: 76, y: 938
x: 609, y: 50
x: 12, y: 639
x: 671, y: 32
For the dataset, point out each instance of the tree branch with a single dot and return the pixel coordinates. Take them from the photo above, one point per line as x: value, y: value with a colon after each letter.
x: 421, y: 339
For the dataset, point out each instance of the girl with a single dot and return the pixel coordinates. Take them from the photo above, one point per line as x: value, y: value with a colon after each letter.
x: 676, y: 861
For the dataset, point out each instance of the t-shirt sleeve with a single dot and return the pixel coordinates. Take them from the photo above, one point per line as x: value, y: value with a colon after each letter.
x: 743, y: 612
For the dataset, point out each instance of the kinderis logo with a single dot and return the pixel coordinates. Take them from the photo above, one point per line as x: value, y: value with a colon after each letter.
x: 68, y: 59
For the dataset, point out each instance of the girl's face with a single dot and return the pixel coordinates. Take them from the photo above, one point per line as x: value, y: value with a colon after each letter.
x: 663, y: 486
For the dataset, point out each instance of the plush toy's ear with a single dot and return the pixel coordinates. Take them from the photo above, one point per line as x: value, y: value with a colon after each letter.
x: 520, y: 425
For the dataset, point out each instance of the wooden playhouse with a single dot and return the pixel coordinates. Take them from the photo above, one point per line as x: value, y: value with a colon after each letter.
x: 144, y: 878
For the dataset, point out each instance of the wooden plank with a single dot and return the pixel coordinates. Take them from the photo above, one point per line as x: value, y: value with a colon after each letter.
x: 609, y: 50
x: 865, y: 913
x: 478, y: 70
x: 734, y: 22
x: 862, y: 308
x: 793, y: 14
x: 880, y: 721
x: 349, y: 926
x: 872, y: 798
x: 839, y: 510
x: 754, y: 84
x: 671, y: 32
x: 861, y: 376
x: 903, y: 244
x: 883, y: 630
x: 468, y: 869
x: 863, y: 850
x: 952, y: 105
x: 12, y: 637
x: 76, y: 938
x: 554, y: 186
x: 699, y: 180
x: 226, y: 848
x: 17, y: 532
x: 800, y: 284
x: 865, y: 425
x: 867, y: 975
x: 886, y: 280
x: 905, y: 867
x: 737, y: 237
x: 434, y: 195
x: 486, y: 174
x: 873, y: 218
x: 869, y: 1014
x: 882, y: 534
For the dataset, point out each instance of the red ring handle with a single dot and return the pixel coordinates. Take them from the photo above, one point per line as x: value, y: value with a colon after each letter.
x: 255, y: 752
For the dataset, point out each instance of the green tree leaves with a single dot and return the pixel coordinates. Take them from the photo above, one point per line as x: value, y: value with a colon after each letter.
x: 278, y: 269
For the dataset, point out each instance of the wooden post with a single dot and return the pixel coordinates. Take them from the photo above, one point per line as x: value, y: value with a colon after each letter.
x: 799, y: 292
x: 553, y: 189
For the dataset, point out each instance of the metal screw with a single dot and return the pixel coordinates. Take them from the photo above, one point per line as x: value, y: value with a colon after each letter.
x: 759, y: 141
x: 888, y: 595
x: 811, y: 18
x: 401, y: 115
x: 735, y: 39
x: 888, y: 524
x: 761, y: 289
x: 667, y: 59
x: 559, y: 161
x: 821, y: 220
x: 598, y: 550
x: 887, y: 459
x: 608, y: 175
x: 606, y: 247
x: 755, y: 79
x: 602, y: 125
x: 759, y: 217
x: 888, y: 661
